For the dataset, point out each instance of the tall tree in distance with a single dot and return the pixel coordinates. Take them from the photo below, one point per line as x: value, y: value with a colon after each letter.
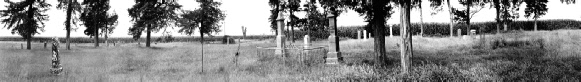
x: 293, y: 6
x: 25, y: 18
x: 206, y: 19
x: 438, y: 6
x: 151, y: 16
x: 72, y: 7
x: 536, y: 9
x: 110, y: 26
x: 509, y: 11
x: 95, y: 17
x: 464, y: 16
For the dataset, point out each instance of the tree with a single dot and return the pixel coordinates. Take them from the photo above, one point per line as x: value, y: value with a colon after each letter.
x: 536, y: 9
x: 110, y: 26
x: 72, y: 7
x: 206, y: 18
x: 464, y: 16
x: 152, y: 15
x: 437, y: 5
x: 508, y: 11
x: 25, y: 18
x: 275, y: 5
x: 406, y: 47
x: 315, y: 21
x: 95, y: 17
x: 377, y: 12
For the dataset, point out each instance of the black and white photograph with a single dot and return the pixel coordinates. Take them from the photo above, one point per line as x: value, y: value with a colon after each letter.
x: 290, y: 41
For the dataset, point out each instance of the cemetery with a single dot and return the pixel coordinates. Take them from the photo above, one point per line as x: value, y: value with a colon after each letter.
x: 318, y: 47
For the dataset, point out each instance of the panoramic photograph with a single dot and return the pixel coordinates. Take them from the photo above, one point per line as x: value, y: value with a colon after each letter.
x: 290, y: 41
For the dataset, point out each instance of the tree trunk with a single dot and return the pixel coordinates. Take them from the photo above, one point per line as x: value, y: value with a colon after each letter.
x: 202, y: 42
x: 497, y: 7
x: 451, y: 18
x: 406, y: 47
x: 292, y: 32
x: 421, y: 21
x: 535, y: 24
x: 105, y: 35
x: 30, y: 13
x: 468, y: 20
x: 379, y: 43
x: 148, y: 38
x: 96, y: 37
x: 68, y: 24
x: 28, y: 42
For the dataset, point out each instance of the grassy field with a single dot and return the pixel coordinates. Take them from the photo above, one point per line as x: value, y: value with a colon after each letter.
x: 435, y: 59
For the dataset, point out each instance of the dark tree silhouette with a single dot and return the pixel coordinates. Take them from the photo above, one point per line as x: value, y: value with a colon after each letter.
x: 72, y: 7
x: 206, y: 19
x: 275, y: 5
x: 536, y: 9
x: 95, y: 17
x: 152, y: 15
x: 25, y: 18
x: 471, y: 8
x: 110, y: 26
x: 507, y: 11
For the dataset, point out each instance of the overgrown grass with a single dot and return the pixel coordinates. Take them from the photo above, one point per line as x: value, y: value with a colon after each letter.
x: 520, y: 58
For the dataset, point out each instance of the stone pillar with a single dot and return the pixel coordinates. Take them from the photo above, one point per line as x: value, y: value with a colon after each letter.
x: 390, y: 30
x: 334, y: 55
x: 280, y: 38
x: 459, y: 32
x: 306, y: 41
x: 358, y: 35
x: 365, y: 34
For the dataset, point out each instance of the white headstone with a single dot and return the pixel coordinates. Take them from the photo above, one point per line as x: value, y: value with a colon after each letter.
x: 358, y: 35
x: 365, y: 34
x: 306, y: 41
x: 390, y: 31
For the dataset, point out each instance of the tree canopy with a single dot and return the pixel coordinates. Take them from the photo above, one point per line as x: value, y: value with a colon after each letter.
x: 25, y: 18
x: 206, y: 18
x: 152, y: 15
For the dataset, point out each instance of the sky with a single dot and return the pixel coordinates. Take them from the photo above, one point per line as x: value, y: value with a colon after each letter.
x: 254, y: 14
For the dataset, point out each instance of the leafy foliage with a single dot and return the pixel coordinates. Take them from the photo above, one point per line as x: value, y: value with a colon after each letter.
x: 206, y: 18
x: 25, y: 18
x: 95, y: 17
x: 152, y: 15
x: 75, y: 8
x: 536, y: 8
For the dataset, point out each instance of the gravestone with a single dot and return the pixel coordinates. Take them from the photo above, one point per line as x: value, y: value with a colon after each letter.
x: 358, y: 35
x: 334, y: 54
x: 306, y: 41
x: 56, y: 67
x: 472, y: 32
x: 390, y: 31
x: 21, y: 46
x: 459, y: 32
x: 365, y: 34
x: 280, y: 37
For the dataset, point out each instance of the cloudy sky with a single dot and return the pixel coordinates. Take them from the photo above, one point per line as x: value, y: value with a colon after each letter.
x: 254, y: 15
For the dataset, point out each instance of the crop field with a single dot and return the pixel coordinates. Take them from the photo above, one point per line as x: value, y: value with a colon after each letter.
x: 515, y: 56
